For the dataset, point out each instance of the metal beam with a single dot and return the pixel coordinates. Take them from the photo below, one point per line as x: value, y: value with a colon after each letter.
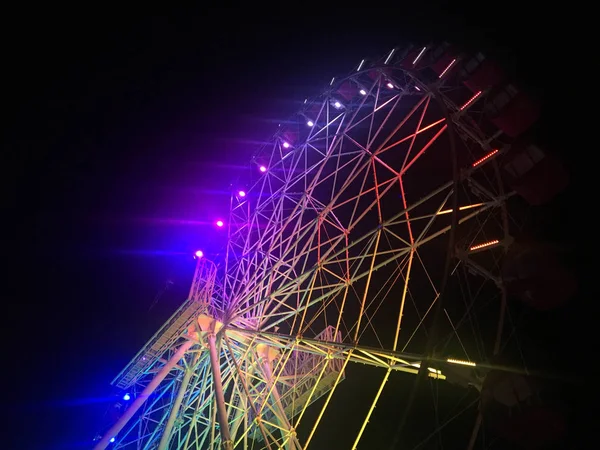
x: 141, y: 399
x: 166, y: 435
x: 219, y: 395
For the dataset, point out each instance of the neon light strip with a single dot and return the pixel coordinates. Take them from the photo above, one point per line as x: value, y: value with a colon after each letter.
x: 471, y: 100
x: 463, y: 363
x: 447, y: 68
x: 419, y: 55
x: 485, y: 244
x: 485, y: 158
x: 390, y: 56
x: 461, y: 208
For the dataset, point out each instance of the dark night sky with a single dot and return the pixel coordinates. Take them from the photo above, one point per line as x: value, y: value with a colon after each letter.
x: 115, y: 119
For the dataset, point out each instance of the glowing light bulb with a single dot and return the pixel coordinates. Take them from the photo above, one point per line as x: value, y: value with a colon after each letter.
x: 242, y: 194
x: 362, y: 92
x: 286, y: 145
x: 199, y: 254
x: 310, y: 123
x: 263, y: 169
x: 127, y: 397
x: 220, y: 223
x: 390, y: 85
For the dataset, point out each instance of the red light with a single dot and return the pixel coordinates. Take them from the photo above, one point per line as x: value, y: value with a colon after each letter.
x: 485, y: 158
x: 471, y: 100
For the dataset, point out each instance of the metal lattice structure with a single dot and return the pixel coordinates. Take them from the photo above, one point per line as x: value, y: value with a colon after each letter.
x: 335, y: 257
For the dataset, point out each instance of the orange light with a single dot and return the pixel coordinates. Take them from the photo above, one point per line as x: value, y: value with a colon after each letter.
x: 484, y: 245
x: 485, y: 158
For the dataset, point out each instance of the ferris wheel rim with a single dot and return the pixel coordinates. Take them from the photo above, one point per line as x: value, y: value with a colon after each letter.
x: 277, y: 136
x: 300, y: 341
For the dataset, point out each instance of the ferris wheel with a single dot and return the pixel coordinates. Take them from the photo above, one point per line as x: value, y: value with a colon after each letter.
x: 366, y: 250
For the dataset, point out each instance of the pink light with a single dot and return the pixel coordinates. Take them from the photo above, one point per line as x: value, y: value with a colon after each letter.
x: 220, y: 223
x: 242, y: 194
x: 286, y: 145
x: 198, y: 254
x: 447, y: 68
x: 263, y: 169
x: 471, y: 100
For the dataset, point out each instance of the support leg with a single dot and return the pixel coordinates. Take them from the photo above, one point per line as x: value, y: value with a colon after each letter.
x: 166, y: 435
x: 267, y: 355
x: 141, y: 399
x: 219, y: 396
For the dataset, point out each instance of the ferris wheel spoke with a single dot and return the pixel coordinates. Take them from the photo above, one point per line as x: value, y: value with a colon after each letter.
x: 446, y: 423
x: 374, y: 135
x: 423, y: 316
x: 400, y: 271
x: 433, y: 217
x: 394, y: 255
x: 371, y: 408
x: 307, y: 228
x: 383, y: 147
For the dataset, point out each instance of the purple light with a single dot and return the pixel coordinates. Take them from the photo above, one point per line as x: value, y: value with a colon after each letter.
x: 198, y: 254
x: 263, y: 169
x: 310, y: 123
x: 338, y: 105
x: 362, y: 92
x: 242, y: 194
x: 220, y: 223
x: 390, y: 85
x: 286, y: 145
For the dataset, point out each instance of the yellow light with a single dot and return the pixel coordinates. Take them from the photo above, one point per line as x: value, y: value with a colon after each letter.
x: 462, y: 363
x: 460, y: 208
x: 431, y: 369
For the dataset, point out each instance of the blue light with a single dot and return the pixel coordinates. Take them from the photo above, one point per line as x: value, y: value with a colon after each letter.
x: 127, y: 397
x: 112, y: 439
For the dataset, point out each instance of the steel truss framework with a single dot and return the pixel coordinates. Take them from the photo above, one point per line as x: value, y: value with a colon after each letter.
x: 334, y: 257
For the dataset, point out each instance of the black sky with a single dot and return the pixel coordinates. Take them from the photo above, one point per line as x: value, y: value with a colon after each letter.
x: 115, y: 118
